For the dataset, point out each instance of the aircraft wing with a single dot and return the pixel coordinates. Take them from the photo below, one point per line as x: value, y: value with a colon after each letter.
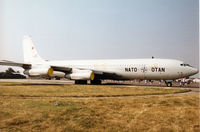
x: 69, y: 70
x: 11, y: 63
x: 28, y: 66
x: 100, y: 74
x: 104, y: 75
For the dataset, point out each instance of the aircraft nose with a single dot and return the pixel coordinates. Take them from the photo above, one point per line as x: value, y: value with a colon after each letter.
x: 195, y: 71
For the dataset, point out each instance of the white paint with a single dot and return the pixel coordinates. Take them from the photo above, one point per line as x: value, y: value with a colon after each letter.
x: 172, y: 68
x: 151, y: 69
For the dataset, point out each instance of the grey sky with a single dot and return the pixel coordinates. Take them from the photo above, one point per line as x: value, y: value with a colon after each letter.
x: 101, y: 29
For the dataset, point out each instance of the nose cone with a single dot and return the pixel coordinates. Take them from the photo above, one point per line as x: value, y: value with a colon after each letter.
x: 195, y: 71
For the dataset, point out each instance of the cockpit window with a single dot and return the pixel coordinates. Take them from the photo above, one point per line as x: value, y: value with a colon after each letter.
x: 185, y: 65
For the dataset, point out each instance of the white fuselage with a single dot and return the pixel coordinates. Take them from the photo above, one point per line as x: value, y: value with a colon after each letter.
x: 97, y: 70
x: 150, y: 69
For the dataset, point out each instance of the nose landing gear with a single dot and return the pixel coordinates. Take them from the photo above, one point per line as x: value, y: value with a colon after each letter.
x: 168, y: 83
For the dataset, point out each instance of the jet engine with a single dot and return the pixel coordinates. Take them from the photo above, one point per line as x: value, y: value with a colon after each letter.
x: 39, y: 72
x: 80, y: 75
x: 58, y: 74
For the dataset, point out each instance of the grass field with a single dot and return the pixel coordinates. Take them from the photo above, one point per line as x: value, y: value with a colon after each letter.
x: 37, y: 107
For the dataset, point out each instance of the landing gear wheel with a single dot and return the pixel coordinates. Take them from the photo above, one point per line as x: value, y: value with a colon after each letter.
x: 97, y: 82
x: 169, y: 84
x: 80, y: 81
x: 57, y: 78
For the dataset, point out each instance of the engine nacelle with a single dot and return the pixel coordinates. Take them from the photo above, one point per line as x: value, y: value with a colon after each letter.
x: 80, y: 75
x: 39, y: 72
x: 58, y: 74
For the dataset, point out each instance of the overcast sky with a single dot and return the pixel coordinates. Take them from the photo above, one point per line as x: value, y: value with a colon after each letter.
x: 101, y: 29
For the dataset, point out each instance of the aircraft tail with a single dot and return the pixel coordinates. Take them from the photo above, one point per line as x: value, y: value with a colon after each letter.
x: 30, y: 53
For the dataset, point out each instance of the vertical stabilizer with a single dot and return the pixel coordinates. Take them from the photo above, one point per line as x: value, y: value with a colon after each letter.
x: 30, y: 53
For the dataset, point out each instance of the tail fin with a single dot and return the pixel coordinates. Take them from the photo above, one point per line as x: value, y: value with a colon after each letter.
x: 30, y: 53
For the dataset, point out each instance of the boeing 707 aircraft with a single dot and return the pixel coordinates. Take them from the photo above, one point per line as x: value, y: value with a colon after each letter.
x: 97, y: 70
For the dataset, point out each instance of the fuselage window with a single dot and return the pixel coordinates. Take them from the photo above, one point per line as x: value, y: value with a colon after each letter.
x: 185, y: 65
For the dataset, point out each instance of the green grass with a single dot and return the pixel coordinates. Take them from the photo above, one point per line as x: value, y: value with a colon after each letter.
x: 52, y: 111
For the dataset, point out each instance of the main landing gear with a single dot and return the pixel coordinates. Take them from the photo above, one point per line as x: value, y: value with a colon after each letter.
x: 57, y: 78
x: 168, y: 83
x: 80, y: 81
x: 95, y: 82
